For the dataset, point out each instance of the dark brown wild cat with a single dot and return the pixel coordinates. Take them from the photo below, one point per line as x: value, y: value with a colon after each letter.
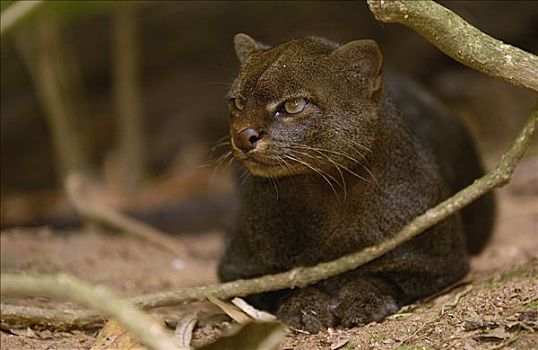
x: 341, y: 158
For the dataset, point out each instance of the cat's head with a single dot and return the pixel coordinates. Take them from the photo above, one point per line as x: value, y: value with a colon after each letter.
x: 306, y: 105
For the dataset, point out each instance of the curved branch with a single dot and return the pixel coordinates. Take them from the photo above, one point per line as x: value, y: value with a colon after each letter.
x: 460, y: 40
x: 150, y: 332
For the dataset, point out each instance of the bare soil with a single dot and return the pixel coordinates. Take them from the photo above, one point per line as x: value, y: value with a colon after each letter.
x: 496, y: 307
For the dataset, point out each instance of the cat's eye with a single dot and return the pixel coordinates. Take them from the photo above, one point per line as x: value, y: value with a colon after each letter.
x: 239, y: 103
x: 294, y: 106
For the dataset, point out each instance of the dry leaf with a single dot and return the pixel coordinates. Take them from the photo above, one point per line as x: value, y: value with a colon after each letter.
x: 184, y: 328
x: 231, y: 310
x: 340, y: 343
x: 114, y: 336
x: 473, y: 325
x: 250, y: 310
x: 28, y: 333
x: 497, y: 333
x: 399, y: 315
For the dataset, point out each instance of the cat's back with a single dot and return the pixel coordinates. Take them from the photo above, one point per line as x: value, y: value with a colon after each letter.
x: 453, y: 147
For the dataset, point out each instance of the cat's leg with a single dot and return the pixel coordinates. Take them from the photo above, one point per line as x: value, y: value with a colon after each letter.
x: 381, y: 289
x: 364, y: 300
x: 338, y: 300
x: 307, y: 309
x: 418, y: 268
x: 357, y: 298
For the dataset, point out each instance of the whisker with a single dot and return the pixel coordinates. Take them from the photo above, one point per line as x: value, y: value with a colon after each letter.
x: 320, y: 150
x: 336, y: 165
x: 367, y: 149
x: 218, y: 145
x: 330, y: 151
x: 351, y: 171
x: 328, y: 175
x: 227, y: 136
x: 365, y: 167
x: 243, y: 177
x: 217, y: 164
x: 273, y: 182
x: 220, y: 141
x: 315, y: 170
x: 370, y: 173
x: 231, y: 160
x: 276, y: 180
x: 286, y: 164
x: 218, y: 161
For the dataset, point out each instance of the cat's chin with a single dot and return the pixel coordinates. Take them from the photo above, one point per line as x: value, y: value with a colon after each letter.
x: 267, y: 170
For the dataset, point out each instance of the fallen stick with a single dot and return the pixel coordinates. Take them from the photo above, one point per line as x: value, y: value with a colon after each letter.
x: 76, y: 189
x: 143, y: 326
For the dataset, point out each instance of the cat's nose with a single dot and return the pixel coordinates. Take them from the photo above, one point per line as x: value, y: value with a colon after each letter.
x: 246, y: 139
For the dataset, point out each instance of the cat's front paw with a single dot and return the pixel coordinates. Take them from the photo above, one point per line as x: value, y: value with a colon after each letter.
x: 306, y: 309
x: 359, y: 303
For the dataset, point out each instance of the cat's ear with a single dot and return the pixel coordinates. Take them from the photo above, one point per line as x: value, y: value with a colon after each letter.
x: 364, y: 56
x: 245, y: 46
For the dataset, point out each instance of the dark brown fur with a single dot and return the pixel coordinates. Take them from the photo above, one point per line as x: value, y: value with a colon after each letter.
x: 384, y: 169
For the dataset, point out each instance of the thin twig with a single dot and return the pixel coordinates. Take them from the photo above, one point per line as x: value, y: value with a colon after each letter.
x: 460, y: 40
x: 143, y: 326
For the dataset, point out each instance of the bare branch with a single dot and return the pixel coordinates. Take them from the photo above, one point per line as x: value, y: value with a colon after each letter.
x: 460, y: 40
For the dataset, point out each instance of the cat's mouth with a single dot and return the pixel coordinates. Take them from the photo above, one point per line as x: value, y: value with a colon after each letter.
x: 263, y: 161
x: 263, y: 165
x: 257, y: 160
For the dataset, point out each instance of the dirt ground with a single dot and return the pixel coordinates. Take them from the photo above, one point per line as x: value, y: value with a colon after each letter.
x: 496, y: 308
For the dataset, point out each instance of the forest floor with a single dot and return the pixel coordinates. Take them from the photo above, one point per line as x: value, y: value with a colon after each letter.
x: 495, y: 307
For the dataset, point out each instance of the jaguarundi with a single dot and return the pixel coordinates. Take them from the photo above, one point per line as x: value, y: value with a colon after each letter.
x: 340, y: 156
